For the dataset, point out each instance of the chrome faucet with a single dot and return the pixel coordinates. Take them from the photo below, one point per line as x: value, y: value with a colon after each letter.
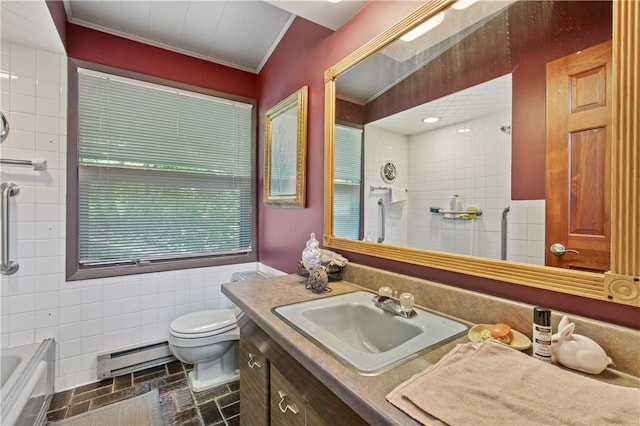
x: 402, y: 306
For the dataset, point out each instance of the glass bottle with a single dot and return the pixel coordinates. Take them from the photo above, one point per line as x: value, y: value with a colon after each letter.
x: 311, y: 255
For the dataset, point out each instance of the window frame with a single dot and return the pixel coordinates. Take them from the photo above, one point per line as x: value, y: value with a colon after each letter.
x: 73, y: 270
x: 354, y: 126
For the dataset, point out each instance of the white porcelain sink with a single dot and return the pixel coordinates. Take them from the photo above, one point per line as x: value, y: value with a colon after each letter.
x: 364, y: 336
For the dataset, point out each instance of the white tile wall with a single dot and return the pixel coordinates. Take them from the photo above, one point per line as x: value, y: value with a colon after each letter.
x: 475, y: 165
x: 434, y: 165
x: 526, y: 241
x: 381, y: 146
x: 85, y: 317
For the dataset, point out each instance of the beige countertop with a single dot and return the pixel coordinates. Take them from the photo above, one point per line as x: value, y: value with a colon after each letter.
x: 365, y: 394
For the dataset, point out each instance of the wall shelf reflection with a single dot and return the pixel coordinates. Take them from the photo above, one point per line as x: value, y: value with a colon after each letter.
x: 469, y: 214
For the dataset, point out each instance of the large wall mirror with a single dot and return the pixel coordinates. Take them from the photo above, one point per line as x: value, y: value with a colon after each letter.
x: 437, y: 147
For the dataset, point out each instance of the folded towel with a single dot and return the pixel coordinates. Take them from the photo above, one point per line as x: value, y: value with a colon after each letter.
x: 492, y: 384
x: 398, y: 194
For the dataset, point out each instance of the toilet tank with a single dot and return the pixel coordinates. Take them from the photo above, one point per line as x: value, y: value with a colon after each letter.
x: 246, y: 276
x: 249, y: 275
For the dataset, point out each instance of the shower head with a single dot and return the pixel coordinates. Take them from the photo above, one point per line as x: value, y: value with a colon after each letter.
x: 506, y: 129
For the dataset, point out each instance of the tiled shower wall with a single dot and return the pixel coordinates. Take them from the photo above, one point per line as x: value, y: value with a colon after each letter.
x: 434, y: 165
x: 85, y: 317
x: 473, y: 160
x: 381, y: 146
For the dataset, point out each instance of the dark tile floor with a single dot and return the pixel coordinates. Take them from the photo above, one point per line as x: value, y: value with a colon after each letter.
x: 178, y: 404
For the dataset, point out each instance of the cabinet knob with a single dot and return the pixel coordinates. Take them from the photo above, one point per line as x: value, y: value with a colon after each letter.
x: 252, y: 361
x: 290, y: 407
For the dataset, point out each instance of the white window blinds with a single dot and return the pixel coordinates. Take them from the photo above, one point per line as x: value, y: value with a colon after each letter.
x: 163, y: 173
x: 347, y: 182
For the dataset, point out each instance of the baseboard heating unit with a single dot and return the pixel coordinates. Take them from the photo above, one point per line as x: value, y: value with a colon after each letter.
x: 127, y: 360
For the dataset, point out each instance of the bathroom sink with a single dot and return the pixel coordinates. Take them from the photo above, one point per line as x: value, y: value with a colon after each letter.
x: 365, y: 337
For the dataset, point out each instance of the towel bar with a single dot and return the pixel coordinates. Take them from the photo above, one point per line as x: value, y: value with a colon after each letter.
x: 381, y: 188
x: 37, y: 165
x: 8, y: 190
x: 382, y: 221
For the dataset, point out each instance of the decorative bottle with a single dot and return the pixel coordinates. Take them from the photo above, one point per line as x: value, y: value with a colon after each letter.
x: 311, y: 255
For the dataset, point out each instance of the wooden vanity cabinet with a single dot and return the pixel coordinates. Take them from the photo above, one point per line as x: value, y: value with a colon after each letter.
x: 287, y: 405
x: 254, y: 385
x: 283, y: 392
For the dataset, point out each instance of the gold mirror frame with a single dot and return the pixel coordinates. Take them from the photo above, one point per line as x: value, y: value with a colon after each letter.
x: 622, y: 283
x: 279, y: 136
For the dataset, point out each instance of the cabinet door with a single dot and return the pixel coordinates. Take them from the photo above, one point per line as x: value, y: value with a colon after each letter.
x: 321, y: 406
x: 287, y: 406
x: 254, y: 385
x: 313, y: 418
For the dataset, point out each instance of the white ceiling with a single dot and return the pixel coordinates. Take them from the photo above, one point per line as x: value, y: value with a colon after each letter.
x: 29, y: 23
x: 238, y: 33
x: 477, y: 101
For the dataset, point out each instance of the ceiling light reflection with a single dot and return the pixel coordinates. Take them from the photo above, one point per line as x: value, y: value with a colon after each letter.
x: 429, y: 24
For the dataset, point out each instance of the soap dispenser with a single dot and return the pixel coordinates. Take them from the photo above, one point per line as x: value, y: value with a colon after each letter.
x: 453, y: 203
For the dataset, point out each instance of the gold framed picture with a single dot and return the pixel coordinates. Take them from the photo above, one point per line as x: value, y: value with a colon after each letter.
x: 285, y: 151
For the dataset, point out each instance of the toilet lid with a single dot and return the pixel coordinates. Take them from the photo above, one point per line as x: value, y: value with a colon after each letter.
x: 204, y: 321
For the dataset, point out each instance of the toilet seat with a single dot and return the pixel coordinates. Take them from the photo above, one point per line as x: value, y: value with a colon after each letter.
x: 197, y: 325
x: 203, y: 341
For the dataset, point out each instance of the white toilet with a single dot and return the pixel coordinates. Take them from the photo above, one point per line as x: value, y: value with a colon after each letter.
x: 210, y: 341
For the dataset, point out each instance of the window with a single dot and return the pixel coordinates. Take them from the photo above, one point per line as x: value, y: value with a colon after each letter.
x: 165, y: 178
x: 347, y: 182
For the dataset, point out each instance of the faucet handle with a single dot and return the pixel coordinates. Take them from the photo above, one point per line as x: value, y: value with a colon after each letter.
x: 385, y: 291
x: 406, y: 301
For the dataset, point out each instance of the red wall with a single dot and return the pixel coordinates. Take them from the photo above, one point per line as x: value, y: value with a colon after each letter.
x: 105, y: 49
x: 59, y: 16
x: 300, y: 59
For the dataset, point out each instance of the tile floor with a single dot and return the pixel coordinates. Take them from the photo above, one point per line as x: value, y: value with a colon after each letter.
x: 179, y: 405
